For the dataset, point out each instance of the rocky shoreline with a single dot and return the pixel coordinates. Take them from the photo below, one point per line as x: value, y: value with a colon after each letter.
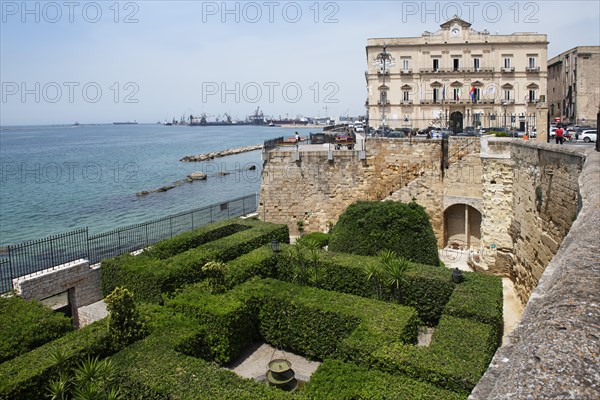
x: 194, y: 176
x: 222, y: 153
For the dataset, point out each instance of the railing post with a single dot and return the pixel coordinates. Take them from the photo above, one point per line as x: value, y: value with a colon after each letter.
x: 10, y: 266
x: 87, y: 245
x: 171, y: 226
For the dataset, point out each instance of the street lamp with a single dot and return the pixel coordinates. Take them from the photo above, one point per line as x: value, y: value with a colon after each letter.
x: 504, y: 105
x: 380, y: 61
x: 275, y: 246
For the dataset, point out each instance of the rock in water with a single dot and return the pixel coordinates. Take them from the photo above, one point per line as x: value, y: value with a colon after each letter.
x: 197, y: 176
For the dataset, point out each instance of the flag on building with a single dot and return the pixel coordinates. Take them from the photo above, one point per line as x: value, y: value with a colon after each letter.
x: 472, y: 93
x: 458, y: 94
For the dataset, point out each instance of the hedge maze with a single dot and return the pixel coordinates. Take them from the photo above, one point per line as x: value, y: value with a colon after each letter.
x: 315, y: 303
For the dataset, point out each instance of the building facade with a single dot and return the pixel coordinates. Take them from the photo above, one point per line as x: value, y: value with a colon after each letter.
x: 574, y: 85
x: 456, y: 77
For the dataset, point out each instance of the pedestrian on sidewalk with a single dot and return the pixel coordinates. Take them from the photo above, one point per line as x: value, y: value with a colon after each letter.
x: 559, y: 134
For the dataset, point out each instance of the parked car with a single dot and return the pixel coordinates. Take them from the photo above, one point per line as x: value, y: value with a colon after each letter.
x: 588, y: 135
x: 440, y: 133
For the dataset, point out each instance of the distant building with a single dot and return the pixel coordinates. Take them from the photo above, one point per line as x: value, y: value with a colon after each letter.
x: 574, y: 85
x: 456, y: 77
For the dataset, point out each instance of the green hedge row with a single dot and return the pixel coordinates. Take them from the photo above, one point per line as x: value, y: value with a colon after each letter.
x: 152, y: 369
x: 26, y: 376
x: 367, y: 227
x: 313, y: 322
x: 228, y: 324
x: 335, y: 380
x: 320, y: 238
x: 261, y: 262
x: 459, y: 354
x: 150, y: 278
x: 480, y: 298
x: 25, y: 325
x: 424, y: 287
x: 188, y: 240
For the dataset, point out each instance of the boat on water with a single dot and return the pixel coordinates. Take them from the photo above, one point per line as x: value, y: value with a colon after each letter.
x: 125, y: 123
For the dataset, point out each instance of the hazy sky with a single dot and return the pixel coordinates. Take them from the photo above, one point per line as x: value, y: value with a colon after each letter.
x: 105, y: 61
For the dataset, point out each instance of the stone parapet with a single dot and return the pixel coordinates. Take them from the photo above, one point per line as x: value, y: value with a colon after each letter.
x: 553, y: 352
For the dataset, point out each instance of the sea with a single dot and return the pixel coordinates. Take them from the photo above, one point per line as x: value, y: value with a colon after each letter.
x: 54, y: 179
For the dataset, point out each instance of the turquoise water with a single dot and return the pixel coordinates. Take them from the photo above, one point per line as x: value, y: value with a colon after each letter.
x: 57, y: 178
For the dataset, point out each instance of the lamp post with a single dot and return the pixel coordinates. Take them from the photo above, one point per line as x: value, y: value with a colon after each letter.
x: 381, y: 60
x: 275, y: 246
x: 504, y: 105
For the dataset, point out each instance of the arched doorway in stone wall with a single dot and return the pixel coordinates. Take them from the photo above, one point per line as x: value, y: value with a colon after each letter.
x: 456, y: 122
x: 462, y: 226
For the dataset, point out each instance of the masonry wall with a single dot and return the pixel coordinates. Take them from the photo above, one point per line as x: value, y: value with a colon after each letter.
x: 77, y: 277
x: 545, y: 204
x: 314, y: 190
x: 553, y: 352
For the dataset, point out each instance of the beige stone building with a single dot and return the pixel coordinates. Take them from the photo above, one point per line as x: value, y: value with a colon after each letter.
x: 574, y: 85
x: 457, y: 77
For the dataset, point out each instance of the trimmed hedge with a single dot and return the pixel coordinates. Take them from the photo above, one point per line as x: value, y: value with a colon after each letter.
x: 480, y: 298
x: 150, y: 278
x: 188, y: 240
x: 25, y: 325
x: 228, y: 324
x: 313, y: 322
x: 25, y: 377
x: 320, y: 238
x: 457, y: 357
x: 367, y: 227
x: 261, y: 262
x: 335, y: 380
x: 152, y: 369
x: 424, y: 287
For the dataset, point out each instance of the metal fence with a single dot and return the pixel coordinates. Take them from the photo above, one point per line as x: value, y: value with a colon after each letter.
x: 37, y: 255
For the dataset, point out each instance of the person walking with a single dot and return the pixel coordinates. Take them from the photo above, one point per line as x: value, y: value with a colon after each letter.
x: 558, y: 135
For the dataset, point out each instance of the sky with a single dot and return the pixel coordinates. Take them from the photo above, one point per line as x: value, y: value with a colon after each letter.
x: 103, y: 61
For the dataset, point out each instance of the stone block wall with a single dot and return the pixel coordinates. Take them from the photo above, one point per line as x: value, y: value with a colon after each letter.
x: 553, y: 352
x: 314, y: 190
x: 78, y: 278
x: 545, y: 204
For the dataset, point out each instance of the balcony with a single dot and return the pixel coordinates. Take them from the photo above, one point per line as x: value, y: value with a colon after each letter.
x: 533, y: 70
x: 435, y: 70
x: 379, y: 102
x: 406, y: 102
x: 506, y: 102
x: 532, y: 101
x: 406, y: 72
x: 380, y: 72
x: 508, y: 70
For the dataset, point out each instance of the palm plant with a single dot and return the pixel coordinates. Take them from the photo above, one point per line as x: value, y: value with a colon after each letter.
x: 90, y: 380
x: 374, y: 275
x: 394, y: 268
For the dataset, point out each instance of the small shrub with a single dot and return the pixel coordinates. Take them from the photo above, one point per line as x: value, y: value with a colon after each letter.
x: 124, y: 323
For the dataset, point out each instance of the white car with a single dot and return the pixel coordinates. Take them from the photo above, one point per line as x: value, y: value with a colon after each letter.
x: 588, y: 135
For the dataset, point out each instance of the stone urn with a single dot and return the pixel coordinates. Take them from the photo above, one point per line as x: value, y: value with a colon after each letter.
x: 280, y: 374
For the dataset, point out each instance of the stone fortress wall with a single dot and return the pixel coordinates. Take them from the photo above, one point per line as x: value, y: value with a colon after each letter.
x: 512, y: 201
x: 539, y: 207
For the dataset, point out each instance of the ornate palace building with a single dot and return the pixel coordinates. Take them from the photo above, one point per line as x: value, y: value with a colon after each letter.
x: 456, y: 77
x: 574, y: 85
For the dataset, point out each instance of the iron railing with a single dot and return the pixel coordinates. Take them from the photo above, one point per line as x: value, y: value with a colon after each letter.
x: 38, y: 255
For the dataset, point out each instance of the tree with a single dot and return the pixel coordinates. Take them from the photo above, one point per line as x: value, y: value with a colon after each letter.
x: 215, y: 275
x: 124, y: 323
